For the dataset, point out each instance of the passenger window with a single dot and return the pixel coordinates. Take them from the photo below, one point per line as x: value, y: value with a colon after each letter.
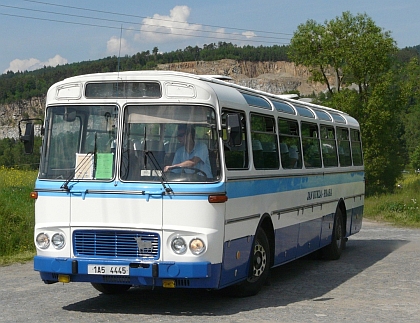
x: 290, y: 151
x: 310, y: 143
x: 344, y: 154
x: 264, y: 142
x: 356, y: 148
x: 329, y: 149
x: 236, y: 157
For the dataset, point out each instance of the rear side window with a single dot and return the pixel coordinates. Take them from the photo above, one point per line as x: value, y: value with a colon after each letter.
x: 310, y: 143
x: 356, y: 147
x: 344, y: 152
x: 328, y: 146
x: 290, y: 149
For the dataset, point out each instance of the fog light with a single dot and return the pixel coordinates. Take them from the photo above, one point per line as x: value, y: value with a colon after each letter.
x: 178, y: 245
x: 197, y: 246
x: 64, y: 278
x: 42, y: 241
x: 58, y: 241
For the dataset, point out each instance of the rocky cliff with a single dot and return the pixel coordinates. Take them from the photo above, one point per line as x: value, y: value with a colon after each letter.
x: 274, y: 77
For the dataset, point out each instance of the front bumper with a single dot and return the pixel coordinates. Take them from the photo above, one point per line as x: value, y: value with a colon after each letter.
x: 184, y: 275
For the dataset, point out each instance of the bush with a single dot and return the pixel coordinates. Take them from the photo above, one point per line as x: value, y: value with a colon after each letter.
x: 401, y: 207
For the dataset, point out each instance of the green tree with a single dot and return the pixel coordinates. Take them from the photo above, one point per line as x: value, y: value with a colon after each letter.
x: 409, y: 78
x: 356, y: 51
x: 351, y: 48
x: 384, y: 153
x: 155, y: 51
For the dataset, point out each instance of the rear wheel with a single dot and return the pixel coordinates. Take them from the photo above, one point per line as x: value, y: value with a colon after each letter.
x: 259, y: 271
x: 111, y: 288
x: 335, y: 248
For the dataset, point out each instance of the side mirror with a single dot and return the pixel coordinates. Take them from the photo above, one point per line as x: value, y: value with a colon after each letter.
x: 28, y: 138
x: 234, y: 129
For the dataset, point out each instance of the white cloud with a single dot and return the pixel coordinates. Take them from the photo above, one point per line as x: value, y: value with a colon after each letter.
x: 33, y: 64
x: 249, y: 34
x: 168, y: 28
x: 113, y: 46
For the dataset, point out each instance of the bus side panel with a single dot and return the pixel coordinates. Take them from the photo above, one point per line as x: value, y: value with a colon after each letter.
x: 327, y: 227
x: 286, y: 244
x: 356, y: 219
x: 357, y: 214
x: 309, y: 236
x: 236, y: 254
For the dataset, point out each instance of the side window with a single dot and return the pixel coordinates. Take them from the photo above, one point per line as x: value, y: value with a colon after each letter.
x: 310, y: 143
x: 329, y: 149
x: 344, y: 153
x: 290, y: 152
x: 356, y: 147
x: 236, y: 157
x: 264, y: 142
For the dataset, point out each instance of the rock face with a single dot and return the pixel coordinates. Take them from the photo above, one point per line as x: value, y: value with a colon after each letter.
x: 11, y: 114
x: 274, y: 77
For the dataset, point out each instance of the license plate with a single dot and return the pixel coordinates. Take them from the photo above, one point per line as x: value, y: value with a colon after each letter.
x: 108, y: 270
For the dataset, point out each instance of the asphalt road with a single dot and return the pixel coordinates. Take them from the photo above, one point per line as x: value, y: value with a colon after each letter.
x: 377, y: 279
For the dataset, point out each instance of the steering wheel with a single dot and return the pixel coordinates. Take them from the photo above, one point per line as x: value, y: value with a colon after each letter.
x: 196, y: 171
x: 182, y: 176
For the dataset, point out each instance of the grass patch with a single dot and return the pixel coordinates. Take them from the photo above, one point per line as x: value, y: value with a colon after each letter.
x: 400, y: 208
x: 16, y: 214
x: 22, y: 258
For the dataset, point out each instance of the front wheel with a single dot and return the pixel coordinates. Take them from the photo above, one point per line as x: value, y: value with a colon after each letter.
x: 259, y: 271
x: 111, y: 288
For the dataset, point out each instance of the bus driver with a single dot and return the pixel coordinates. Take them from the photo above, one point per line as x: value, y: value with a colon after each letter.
x: 191, y: 154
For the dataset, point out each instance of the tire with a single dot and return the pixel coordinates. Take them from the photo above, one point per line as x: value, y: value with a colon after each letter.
x: 259, y: 268
x: 111, y: 288
x: 334, y: 250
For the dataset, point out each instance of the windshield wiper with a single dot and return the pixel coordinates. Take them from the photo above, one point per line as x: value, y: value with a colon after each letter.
x: 86, y: 159
x: 157, y: 167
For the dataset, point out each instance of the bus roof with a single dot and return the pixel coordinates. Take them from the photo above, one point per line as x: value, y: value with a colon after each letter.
x: 222, y: 80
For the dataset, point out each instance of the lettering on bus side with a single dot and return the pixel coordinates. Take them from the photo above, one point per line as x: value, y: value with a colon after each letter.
x: 312, y: 195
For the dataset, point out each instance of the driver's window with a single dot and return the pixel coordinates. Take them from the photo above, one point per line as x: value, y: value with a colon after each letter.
x: 170, y: 143
x: 236, y: 157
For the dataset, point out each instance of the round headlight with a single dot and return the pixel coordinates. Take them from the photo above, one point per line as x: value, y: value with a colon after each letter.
x: 58, y: 241
x: 178, y: 245
x: 197, y: 246
x: 42, y: 241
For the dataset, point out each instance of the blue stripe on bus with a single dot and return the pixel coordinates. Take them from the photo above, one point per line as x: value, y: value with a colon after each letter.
x: 234, y: 188
x: 243, y: 188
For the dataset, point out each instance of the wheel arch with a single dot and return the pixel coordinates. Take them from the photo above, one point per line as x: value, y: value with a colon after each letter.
x: 266, y: 224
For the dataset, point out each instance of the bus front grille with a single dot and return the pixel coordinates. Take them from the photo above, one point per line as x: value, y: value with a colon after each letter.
x: 116, y: 244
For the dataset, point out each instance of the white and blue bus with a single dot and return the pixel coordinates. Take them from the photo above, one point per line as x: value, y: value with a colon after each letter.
x: 174, y: 180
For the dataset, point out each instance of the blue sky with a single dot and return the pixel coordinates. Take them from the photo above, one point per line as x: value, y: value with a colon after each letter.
x: 47, y: 32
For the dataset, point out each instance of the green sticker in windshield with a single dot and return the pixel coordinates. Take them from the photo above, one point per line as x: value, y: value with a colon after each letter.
x: 104, y: 164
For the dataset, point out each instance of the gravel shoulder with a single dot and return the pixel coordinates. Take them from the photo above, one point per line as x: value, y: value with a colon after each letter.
x: 376, y: 280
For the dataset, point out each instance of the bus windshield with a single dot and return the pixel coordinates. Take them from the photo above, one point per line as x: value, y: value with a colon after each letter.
x: 178, y: 143
x: 79, y: 142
